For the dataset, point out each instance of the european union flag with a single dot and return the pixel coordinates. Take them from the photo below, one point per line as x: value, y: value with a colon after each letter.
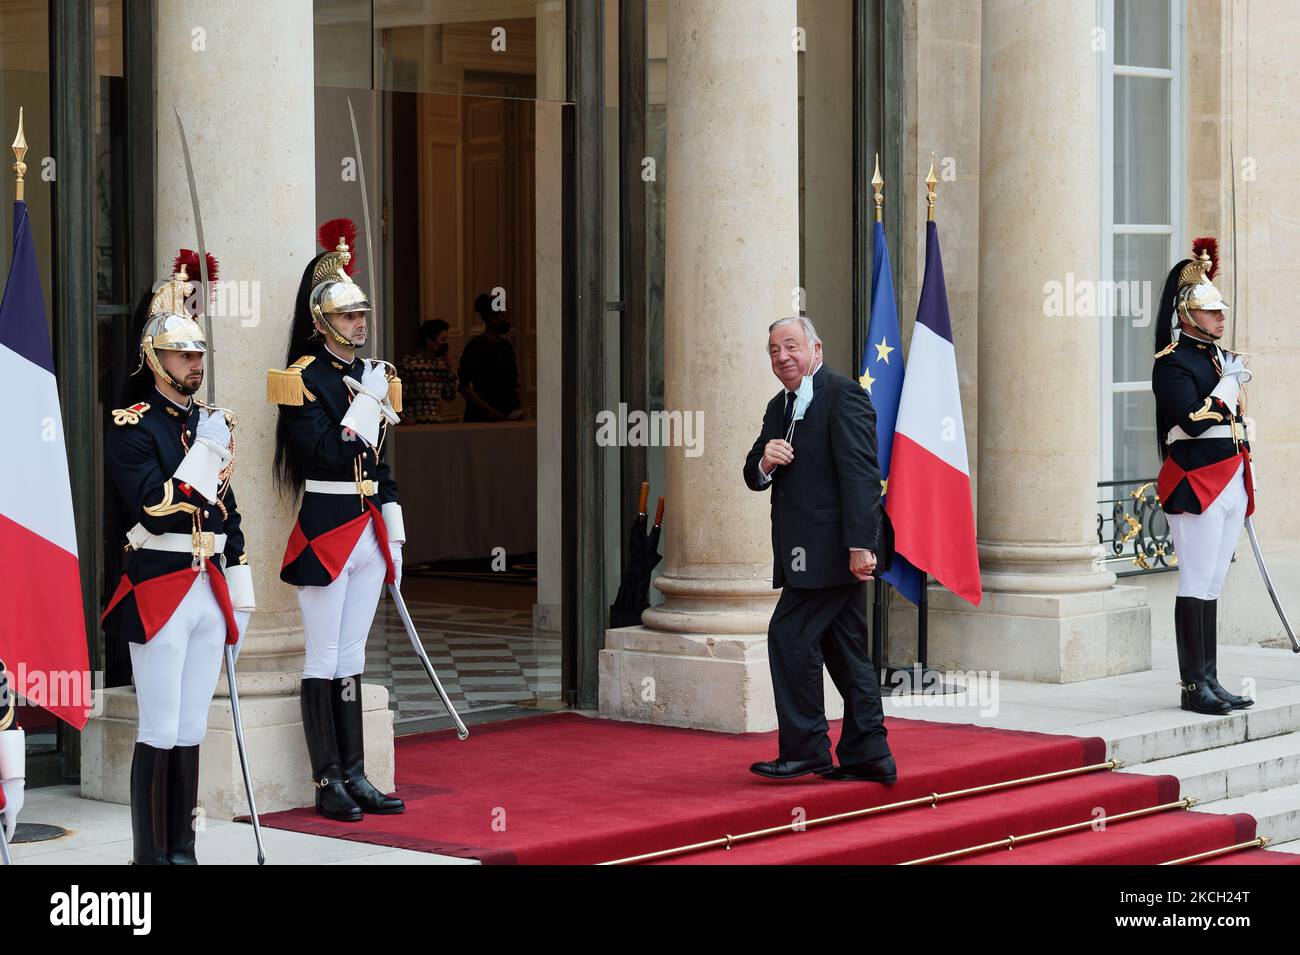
x: 881, y: 374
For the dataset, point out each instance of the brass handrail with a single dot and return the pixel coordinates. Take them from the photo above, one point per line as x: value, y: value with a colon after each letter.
x: 1260, y: 843
x: 932, y: 800
x: 1010, y: 842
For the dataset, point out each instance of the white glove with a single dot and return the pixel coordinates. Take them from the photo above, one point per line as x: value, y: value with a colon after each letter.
x: 13, y: 790
x: 1227, y: 390
x: 13, y: 750
x: 374, y: 381
x: 212, y: 427
x: 209, y: 453
x: 395, y: 551
x: 241, y: 621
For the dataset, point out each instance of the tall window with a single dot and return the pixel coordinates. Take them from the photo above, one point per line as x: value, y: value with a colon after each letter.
x: 1141, y: 213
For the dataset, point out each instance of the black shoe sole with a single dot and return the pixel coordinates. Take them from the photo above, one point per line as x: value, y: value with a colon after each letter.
x: 1192, y: 709
x: 384, y: 812
x: 887, y: 780
x: 817, y: 771
x: 340, y: 817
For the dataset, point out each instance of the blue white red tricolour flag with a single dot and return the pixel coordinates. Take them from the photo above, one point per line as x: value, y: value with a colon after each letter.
x: 42, y: 627
x: 929, y: 498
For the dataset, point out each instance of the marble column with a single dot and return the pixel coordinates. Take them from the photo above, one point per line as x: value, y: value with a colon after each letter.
x: 732, y: 247
x: 1050, y: 612
x: 242, y: 75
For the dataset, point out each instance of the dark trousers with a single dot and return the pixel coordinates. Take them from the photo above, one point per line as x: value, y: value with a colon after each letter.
x: 828, y: 626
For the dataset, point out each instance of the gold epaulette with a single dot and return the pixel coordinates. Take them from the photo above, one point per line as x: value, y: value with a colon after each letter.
x: 286, y: 387
x: 129, y: 415
x: 1167, y: 349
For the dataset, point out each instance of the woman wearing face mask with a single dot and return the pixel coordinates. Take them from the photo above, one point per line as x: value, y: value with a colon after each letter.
x: 427, y: 375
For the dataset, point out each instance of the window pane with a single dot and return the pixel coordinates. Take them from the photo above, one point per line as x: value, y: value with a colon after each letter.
x: 1139, y: 269
x: 1135, y: 436
x: 1141, y: 150
x: 1142, y: 33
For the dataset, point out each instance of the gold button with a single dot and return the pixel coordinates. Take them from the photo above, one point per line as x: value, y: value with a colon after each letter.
x: 365, y: 474
x: 205, y: 513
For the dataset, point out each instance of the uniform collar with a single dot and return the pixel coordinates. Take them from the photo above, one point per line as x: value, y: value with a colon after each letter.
x: 334, y: 361
x: 176, y: 411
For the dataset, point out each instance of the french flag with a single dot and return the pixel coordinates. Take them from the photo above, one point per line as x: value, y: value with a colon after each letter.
x: 929, y: 498
x: 42, y: 626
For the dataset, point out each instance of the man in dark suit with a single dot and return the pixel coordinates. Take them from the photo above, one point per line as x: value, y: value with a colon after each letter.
x: 817, y: 452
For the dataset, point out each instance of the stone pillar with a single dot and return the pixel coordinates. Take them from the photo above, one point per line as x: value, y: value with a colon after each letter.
x: 242, y: 75
x: 1049, y: 611
x: 700, y: 659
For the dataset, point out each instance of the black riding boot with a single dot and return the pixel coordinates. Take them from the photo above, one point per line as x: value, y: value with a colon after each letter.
x: 332, y: 799
x: 1188, y: 624
x: 149, y: 805
x: 182, y: 798
x: 347, y: 723
x: 1209, y: 640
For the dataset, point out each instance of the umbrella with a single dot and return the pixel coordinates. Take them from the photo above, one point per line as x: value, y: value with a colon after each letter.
x: 643, y: 556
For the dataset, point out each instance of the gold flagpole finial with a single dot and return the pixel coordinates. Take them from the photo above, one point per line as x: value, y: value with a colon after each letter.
x: 930, y: 182
x: 879, y: 184
x: 20, y: 150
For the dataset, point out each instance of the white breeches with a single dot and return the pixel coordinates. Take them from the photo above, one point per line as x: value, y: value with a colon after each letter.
x: 1205, y: 542
x: 337, y: 617
x: 176, y: 672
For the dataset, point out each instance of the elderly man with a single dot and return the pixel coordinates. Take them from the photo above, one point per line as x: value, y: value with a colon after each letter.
x: 826, y: 532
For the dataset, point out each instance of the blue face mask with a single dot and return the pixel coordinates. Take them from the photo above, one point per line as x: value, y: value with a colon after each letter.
x: 803, y: 397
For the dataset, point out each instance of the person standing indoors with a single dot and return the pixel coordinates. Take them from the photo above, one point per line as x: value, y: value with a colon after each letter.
x: 1205, y: 483
x: 335, y: 409
x: 187, y: 588
x: 489, y: 372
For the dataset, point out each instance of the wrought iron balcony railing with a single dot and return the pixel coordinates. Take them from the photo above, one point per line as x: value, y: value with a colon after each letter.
x: 1133, y: 529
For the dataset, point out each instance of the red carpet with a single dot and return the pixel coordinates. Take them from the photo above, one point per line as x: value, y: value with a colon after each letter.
x: 565, y: 789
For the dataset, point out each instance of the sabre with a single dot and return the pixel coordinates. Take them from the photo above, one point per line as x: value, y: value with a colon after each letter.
x: 4, y: 848
x: 240, y: 743
x: 365, y: 207
x: 1268, y: 583
x: 203, y: 256
x: 396, y: 594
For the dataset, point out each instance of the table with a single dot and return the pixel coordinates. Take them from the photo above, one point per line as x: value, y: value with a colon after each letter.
x: 466, y: 489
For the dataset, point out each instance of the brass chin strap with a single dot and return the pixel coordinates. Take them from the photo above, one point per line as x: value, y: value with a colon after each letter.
x: 147, y: 354
x: 334, y: 336
x: 1186, y: 315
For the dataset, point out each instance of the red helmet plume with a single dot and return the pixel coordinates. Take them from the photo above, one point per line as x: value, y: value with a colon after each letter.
x: 1209, y: 245
x: 328, y: 236
x: 190, y: 259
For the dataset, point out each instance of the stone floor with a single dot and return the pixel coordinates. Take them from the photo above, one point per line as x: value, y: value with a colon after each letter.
x: 485, y: 658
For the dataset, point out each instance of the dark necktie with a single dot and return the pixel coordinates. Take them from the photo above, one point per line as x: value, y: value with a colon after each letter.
x: 789, y: 413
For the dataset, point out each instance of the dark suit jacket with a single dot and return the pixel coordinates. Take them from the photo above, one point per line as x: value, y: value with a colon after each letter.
x: 828, y: 500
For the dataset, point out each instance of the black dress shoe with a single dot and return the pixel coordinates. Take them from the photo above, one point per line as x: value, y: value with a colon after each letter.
x: 880, y: 770
x: 791, y: 768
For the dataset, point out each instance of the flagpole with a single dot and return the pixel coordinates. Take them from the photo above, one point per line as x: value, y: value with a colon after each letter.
x: 20, y: 150
x: 879, y: 613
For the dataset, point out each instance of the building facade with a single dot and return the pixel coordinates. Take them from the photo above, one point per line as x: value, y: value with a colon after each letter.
x: 647, y: 184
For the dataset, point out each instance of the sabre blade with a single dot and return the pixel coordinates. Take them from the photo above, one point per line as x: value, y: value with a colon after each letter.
x: 237, y: 719
x: 365, y: 208
x: 461, y: 731
x: 1268, y: 583
x: 210, y: 371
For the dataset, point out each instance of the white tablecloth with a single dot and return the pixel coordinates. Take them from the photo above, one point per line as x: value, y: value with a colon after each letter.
x: 466, y: 489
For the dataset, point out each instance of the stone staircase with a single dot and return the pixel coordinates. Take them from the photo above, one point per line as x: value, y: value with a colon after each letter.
x: 1248, y: 761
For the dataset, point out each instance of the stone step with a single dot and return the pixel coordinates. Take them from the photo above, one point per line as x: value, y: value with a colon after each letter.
x: 1234, y: 770
x: 1164, y: 733
x: 1277, y: 811
x: 1293, y: 847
